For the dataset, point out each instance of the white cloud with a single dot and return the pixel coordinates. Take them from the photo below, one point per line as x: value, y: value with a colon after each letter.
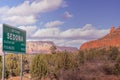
x: 87, y: 32
x: 53, y: 24
x: 26, y: 13
x: 29, y: 29
x: 67, y: 15
x: 70, y: 37
x: 88, y: 27
x: 65, y: 42
x: 47, y: 33
x: 73, y: 43
x: 20, y: 20
x: 1, y: 30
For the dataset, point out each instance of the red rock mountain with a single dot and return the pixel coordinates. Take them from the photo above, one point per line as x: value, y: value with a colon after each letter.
x: 111, y: 39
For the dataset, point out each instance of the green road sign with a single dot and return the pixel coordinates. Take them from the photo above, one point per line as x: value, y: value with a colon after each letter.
x: 14, y: 39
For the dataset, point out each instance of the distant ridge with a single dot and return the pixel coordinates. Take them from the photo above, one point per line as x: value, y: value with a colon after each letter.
x: 68, y: 49
x: 111, y: 39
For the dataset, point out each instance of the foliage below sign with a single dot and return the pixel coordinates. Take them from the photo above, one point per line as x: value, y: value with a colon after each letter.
x: 14, y: 39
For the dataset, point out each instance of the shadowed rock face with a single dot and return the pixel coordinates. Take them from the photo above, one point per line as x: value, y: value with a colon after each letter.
x: 111, y: 39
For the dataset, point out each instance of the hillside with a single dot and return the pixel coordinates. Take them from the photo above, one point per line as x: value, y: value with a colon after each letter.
x: 68, y: 49
x: 111, y: 39
x: 39, y: 46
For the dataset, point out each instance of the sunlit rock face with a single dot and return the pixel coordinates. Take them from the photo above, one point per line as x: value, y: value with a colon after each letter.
x: 35, y: 47
x: 111, y: 39
x: 44, y: 47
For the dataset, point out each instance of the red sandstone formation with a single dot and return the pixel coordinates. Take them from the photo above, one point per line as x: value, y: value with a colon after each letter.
x: 112, y: 29
x: 111, y: 39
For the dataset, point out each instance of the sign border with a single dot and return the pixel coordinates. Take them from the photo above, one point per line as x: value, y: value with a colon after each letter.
x: 15, y: 52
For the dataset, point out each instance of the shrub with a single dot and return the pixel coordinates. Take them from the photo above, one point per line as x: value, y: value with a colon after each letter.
x: 53, y: 48
x: 64, y: 61
x: 113, y: 53
x: 117, y: 67
x: 90, y: 55
x: 52, y: 63
x: 16, y: 71
x: 107, y: 69
x: 70, y: 75
x: 12, y: 64
x: 39, y: 67
x: 81, y: 57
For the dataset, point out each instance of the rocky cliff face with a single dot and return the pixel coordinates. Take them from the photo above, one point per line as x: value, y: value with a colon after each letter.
x: 38, y: 47
x: 111, y: 39
x: 45, y: 47
x: 34, y: 47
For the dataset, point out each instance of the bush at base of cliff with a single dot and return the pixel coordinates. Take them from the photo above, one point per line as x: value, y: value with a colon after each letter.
x: 117, y: 67
x: 16, y: 72
x: 107, y: 69
x: 70, y: 75
x: 91, y: 55
x: 38, y: 68
x: 113, y: 53
x: 81, y: 57
x: 64, y: 61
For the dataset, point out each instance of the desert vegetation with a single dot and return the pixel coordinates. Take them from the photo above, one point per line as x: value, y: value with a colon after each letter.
x: 93, y: 64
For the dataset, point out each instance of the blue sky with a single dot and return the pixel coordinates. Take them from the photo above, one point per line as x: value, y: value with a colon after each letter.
x: 65, y: 22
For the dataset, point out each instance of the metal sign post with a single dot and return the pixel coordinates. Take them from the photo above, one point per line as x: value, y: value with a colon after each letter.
x: 3, y: 65
x: 21, y: 64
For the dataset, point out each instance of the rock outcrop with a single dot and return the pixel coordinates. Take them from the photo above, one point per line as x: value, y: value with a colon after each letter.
x: 44, y: 47
x: 35, y: 47
x: 112, y: 29
x: 111, y: 39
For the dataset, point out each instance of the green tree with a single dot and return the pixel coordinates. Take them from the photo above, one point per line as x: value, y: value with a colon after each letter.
x: 64, y: 60
x: 80, y: 57
x: 53, y: 48
x: 13, y: 64
x: 113, y: 53
x: 117, y: 67
x: 39, y: 67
